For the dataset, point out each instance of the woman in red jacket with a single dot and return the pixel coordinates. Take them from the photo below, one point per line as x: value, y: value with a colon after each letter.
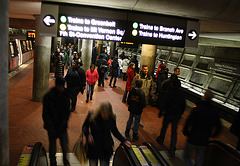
x: 91, y: 77
x: 130, y: 76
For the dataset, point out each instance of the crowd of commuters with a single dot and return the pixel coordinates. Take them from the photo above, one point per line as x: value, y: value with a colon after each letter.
x: 139, y: 91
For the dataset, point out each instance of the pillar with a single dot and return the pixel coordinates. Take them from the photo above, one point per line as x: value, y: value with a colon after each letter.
x: 54, y: 45
x: 112, y: 49
x: 4, y: 45
x: 148, y: 57
x: 41, y: 68
x: 79, y: 45
x: 87, y: 46
x: 99, y: 46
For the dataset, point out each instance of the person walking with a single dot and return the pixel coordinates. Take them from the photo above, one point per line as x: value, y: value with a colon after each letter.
x: 91, y: 77
x: 136, y: 103
x: 202, y: 123
x: 172, y: 106
x: 102, y: 69
x: 56, y: 111
x: 130, y: 76
x: 125, y: 64
x: 114, y: 72
x: 76, y: 82
x: 98, y: 127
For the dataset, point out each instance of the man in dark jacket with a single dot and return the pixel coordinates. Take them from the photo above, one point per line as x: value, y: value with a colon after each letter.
x: 56, y: 111
x: 102, y: 69
x: 136, y: 102
x: 202, y: 123
x: 76, y: 82
x: 173, y: 106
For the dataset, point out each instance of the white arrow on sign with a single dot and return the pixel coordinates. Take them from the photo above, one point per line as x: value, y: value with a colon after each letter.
x: 47, y: 20
x: 193, y: 35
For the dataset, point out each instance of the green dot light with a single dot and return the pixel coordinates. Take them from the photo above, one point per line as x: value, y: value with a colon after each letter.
x: 63, y: 19
x: 63, y: 27
x: 135, y: 25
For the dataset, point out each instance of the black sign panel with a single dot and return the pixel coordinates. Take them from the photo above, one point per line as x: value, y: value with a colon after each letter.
x: 91, y: 28
x: 49, y: 20
x: 160, y: 34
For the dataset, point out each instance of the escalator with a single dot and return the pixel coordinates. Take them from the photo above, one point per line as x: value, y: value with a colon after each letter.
x: 144, y: 154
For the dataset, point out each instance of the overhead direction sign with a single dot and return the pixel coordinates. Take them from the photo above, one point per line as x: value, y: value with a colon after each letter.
x: 49, y: 20
x: 91, y: 28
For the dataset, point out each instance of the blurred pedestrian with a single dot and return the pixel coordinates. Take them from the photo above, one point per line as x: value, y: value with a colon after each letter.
x: 91, y: 77
x: 172, y: 107
x: 136, y: 103
x: 76, y: 82
x: 130, y: 76
x: 98, y: 127
x: 114, y: 72
x: 56, y: 111
x: 202, y: 123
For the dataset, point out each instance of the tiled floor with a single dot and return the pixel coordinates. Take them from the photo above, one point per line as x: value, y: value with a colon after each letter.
x: 26, y: 125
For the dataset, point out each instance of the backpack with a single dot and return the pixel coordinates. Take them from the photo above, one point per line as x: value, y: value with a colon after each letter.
x: 103, y: 68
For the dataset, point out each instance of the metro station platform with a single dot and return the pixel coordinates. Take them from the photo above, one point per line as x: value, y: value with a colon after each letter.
x: 26, y: 125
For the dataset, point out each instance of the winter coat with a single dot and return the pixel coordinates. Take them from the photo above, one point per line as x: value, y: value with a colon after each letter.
x: 201, y: 123
x: 56, y: 111
x: 130, y: 76
x: 125, y: 64
x: 147, y: 85
x: 114, y: 69
x: 76, y: 78
x: 91, y: 77
x: 102, y: 66
x: 160, y: 67
x: 136, y: 101
x: 173, y: 103
x: 101, y: 131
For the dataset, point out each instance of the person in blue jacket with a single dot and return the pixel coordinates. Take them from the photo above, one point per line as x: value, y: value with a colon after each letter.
x: 98, y: 127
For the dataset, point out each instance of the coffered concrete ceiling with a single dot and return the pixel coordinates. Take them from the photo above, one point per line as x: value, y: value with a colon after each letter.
x: 219, y: 19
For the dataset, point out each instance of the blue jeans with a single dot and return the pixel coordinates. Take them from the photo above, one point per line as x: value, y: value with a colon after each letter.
x: 136, y: 122
x: 94, y: 162
x: 124, y: 99
x: 90, y: 89
x: 115, y: 80
x: 199, y: 151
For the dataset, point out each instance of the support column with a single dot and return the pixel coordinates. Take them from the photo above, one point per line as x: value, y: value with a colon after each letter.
x: 41, y: 68
x: 79, y: 45
x: 4, y: 45
x: 87, y: 46
x: 54, y: 46
x: 99, y: 46
x: 148, y: 57
x: 112, y: 49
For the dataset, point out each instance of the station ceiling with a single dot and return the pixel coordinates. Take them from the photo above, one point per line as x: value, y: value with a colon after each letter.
x: 219, y: 19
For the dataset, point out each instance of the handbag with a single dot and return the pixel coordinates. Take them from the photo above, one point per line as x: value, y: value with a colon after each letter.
x: 80, y: 149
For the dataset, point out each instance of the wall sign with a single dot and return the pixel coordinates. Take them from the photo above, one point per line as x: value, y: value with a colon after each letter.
x: 91, y: 28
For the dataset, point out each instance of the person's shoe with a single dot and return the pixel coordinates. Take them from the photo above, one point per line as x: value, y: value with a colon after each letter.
x: 159, y: 141
x: 72, y: 109
x: 54, y: 163
x: 90, y: 97
x: 110, y: 85
x: 127, y: 133
x: 86, y: 101
x: 114, y: 86
x: 140, y: 125
x: 135, y: 137
x: 102, y: 85
x: 123, y: 101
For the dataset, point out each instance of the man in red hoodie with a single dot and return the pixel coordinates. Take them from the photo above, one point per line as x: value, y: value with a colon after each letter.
x: 91, y: 77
